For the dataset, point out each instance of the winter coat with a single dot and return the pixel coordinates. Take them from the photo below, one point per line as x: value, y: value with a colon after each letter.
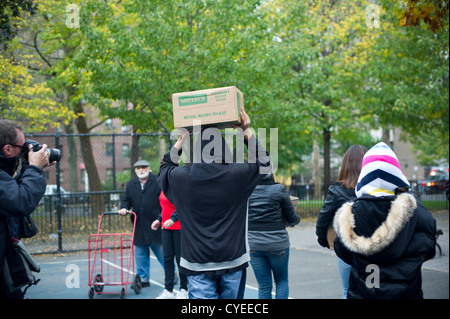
x: 336, y: 197
x: 270, y: 208
x: 386, y: 240
x: 145, y: 204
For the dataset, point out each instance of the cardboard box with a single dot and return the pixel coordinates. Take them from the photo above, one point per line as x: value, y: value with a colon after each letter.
x: 219, y: 107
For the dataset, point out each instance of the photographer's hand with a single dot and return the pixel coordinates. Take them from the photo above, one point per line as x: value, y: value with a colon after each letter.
x: 38, y: 158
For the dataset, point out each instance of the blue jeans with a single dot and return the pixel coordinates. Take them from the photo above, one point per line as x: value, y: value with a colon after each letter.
x: 266, y: 263
x: 226, y: 286
x: 142, y: 259
x: 344, y: 272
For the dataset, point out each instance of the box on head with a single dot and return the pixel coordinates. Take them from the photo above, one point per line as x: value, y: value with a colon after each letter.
x: 219, y: 107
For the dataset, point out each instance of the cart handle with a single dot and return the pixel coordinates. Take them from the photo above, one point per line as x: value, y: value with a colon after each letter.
x: 116, y: 213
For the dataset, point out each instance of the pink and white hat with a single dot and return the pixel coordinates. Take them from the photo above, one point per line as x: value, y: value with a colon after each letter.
x: 381, y: 173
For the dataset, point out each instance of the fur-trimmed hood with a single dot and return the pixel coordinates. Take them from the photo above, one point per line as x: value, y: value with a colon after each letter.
x: 401, y: 210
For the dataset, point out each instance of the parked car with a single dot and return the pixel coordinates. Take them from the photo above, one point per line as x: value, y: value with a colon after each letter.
x: 434, y: 184
x: 67, y: 197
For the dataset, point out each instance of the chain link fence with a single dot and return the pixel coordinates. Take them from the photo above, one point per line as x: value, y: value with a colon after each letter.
x: 89, y: 179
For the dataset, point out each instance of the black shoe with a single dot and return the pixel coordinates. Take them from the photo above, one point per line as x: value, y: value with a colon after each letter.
x: 143, y: 284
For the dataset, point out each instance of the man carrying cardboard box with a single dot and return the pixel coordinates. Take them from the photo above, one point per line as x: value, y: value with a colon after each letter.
x: 211, y: 201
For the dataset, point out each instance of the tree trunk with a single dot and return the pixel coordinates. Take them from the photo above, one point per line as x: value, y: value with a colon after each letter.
x: 326, y: 159
x: 97, y: 201
x: 316, y: 169
x: 134, y: 152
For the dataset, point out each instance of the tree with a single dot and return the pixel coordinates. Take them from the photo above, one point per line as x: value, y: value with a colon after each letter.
x: 321, y: 38
x: 10, y: 16
x: 139, y: 53
x: 406, y: 81
x: 54, y: 50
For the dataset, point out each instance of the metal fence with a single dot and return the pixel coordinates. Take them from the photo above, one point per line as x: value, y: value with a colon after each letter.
x: 87, y: 182
x: 89, y: 179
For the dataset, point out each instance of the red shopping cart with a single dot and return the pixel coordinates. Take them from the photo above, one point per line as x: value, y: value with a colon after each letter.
x: 111, y: 261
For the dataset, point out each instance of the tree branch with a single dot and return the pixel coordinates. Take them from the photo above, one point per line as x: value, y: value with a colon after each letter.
x: 38, y: 51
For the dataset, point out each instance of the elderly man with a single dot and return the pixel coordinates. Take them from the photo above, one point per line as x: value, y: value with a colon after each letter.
x: 142, y: 197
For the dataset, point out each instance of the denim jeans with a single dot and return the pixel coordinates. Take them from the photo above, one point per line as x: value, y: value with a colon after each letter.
x: 344, y: 272
x: 142, y: 259
x: 226, y: 286
x: 266, y: 263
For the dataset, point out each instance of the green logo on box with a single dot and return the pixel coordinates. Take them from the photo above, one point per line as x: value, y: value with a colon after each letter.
x: 192, y: 99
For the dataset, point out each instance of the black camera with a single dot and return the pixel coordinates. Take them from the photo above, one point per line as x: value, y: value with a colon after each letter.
x: 53, y: 154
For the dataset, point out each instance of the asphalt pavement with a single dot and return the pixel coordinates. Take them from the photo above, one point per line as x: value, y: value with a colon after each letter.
x: 313, y: 272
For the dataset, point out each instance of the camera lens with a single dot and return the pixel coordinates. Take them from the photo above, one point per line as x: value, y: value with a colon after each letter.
x: 53, y: 155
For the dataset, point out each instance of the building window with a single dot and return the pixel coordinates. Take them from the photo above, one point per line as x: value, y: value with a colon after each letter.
x: 109, y: 149
x: 126, y: 151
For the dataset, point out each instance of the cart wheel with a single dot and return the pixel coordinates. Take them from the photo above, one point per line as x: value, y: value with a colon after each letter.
x: 91, y: 293
x: 122, y: 293
x: 98, y: 288
x: 137, y: 284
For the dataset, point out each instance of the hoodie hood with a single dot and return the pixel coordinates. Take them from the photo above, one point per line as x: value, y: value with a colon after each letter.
x: 400, y: 212
x: 381, y: 173
x: 211, y: 147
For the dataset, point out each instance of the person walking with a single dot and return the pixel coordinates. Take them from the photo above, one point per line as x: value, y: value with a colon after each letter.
x: 270, y: 209
x: 385, y: 234
x: 339, y: 193
x: 171, y: 241
x: 142, y: 197
x: 18, y: 196
x: 211, y: 202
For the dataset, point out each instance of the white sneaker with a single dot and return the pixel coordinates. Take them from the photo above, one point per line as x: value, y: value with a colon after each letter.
x: 183, y: 294
x: 166, y: 295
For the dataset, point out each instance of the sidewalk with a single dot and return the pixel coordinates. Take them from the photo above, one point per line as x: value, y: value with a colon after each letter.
x: 313, y: 272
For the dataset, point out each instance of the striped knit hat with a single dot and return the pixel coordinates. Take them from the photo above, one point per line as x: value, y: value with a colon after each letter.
x: 380, y: 172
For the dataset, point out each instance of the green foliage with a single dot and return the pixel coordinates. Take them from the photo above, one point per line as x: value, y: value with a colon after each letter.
x: 306, y: 68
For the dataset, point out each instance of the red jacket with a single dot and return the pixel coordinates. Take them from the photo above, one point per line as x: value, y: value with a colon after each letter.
x: 167, y: 208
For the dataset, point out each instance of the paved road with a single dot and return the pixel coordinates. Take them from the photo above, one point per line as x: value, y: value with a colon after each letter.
x: 313, y: 272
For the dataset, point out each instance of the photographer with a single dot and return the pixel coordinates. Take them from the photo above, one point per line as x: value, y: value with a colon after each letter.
x: 18, y: 196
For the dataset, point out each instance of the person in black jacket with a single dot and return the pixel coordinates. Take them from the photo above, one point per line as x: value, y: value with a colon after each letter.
x: 270, y: 210
x: 211, y: 201
x: 386, y: 234
x: 17, y: 197
x: 142, y: 197
x: 339, y: 193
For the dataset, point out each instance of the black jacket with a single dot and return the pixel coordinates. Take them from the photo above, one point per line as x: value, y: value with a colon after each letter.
x: 336, y: 197
x: 211, y: 203
x: 270, y: 207
x: 145, y: 203
x: 386, y: 240
x: 17, y: 197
